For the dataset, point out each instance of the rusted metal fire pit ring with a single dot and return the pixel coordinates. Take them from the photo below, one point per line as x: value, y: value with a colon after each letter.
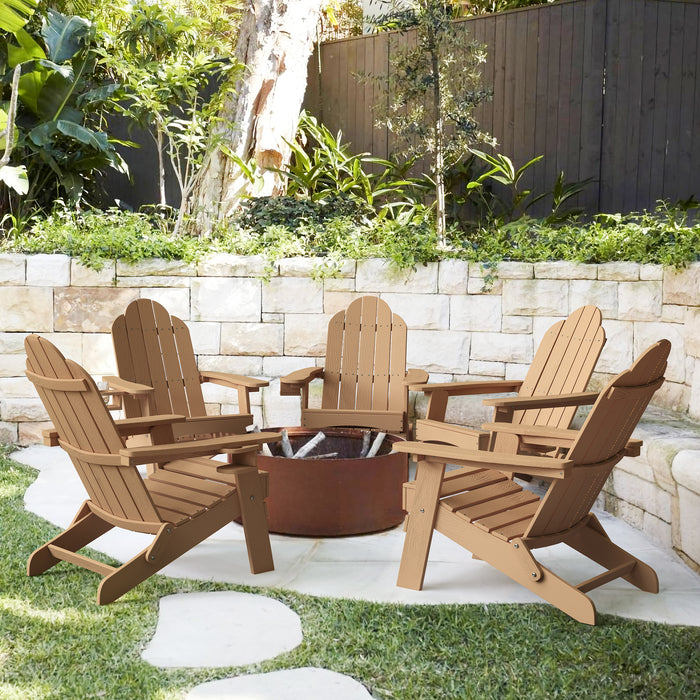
x: 335, y: 496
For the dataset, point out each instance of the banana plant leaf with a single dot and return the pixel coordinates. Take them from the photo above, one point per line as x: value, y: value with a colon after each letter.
x: 14, y: 14
x: 64, y: 36
x: 15, y: 177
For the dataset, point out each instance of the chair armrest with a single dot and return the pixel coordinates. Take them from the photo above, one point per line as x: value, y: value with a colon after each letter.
x: 416, y: 376
x: 470, y: 388
x: 127, y: 387
x: 132, y: 456
x: 145, y: 424
x: 515, y: 403
x: 296, y: 383
x: 234, y: 381
x: 522, y: 464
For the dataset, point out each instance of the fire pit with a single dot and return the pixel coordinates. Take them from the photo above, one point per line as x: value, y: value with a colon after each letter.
x: 332, y: 490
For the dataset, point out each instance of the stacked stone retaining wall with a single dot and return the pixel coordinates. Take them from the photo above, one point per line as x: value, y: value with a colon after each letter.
x: 459, y: 328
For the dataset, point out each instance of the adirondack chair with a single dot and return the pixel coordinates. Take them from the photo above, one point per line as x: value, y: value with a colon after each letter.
x: 365, y: 382
x: 488, y: 513
x: 563, y: 364
x: 186, y: 499
x: 158, y: 373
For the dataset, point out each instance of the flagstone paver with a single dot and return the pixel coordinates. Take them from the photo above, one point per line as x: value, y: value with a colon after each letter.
x: 294, y: 684
x: 221, y: 628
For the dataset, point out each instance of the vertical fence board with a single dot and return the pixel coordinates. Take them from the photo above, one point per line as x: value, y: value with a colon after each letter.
x: 529, y: 116
x: 690, y: 104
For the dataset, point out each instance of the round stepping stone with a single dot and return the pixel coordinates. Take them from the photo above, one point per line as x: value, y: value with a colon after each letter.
x: 294, y: 684
x: 223, y: 628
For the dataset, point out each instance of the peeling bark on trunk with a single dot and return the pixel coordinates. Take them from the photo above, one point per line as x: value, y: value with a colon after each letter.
x: 275, y: 42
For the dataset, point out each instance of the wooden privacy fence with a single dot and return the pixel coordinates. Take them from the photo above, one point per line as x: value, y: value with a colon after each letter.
x: 605, y: 89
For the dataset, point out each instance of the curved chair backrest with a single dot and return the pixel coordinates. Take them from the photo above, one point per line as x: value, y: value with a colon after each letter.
x: 601, y: 442
x: 154, y: 348
x: 563, y: 364
x: 366, y: 359
x: 87, y: 433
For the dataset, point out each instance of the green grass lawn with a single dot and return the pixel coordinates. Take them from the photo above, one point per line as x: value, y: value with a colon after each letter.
x: 56, y: 642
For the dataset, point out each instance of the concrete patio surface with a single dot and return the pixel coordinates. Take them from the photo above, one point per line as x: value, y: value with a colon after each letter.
x: 365, y: 567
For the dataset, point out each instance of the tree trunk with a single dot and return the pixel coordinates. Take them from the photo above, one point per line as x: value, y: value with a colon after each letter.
x: 275, y: 42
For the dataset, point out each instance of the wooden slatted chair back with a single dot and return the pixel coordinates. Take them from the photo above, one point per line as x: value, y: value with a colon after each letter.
x: 154, y: 348
x: 563, y: 364
x: 601, y: 442
x: 87, y: 432
x: 365, y: 358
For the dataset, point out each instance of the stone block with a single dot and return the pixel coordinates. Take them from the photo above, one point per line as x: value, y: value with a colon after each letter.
x: 535, y: 297
x: 22, y: 410
x: 639, y: 301
x: 12, y: 343
x: 247, y: 365
x: 338, y: 301
x: 27, y: 309
x: 98, y: 354
x: 175, y: 299
x: 648, y: 271
x: 12, y: 365
x: 487, y: 369
x: 292, y: 295
x: 252, y: 339
x: 682, y: 286
x: 516, y: 370
x: 540, y: 325
x: 70, y: 344
x: 90, y: 310
x: 280, y: 411
x: 453, y: 276
x: 516, y: 324
x: 305, y: 334
x: 227, y: 265
x: 16, y: 387
x: 226, y: 398
x: 338, y: 284
x: 83, y: 276
x: 30, y: 433
x: 692, y: 332
x: 619, y: 271
x: 48, y: 270
x: 8, y: 433
x: 154, y: 281
x: 561, y: 270
x: 645, y: 334
x: 282, y: 366
x: 438, y: 351
x: 661, y: 453
x: 687, y: 474
x: 672, y: 313
x: 618, y: 352
x: 499, y: 347
x: 658, y: 530
x: 481, y: 285
x: 601, y: 294
x: 508, y: 270
x: 378, y: 275
x: 674, y: 396
x: 429, y: 312
x: 206, y: 337
x: 226, y: 299
x: 299, y: 266
x: 694, y: 405
x: 475, y: 313
x: 156, y: 267
x: 12, y: 269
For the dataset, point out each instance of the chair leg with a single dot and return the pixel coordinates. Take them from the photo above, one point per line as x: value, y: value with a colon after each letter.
x: 593, y: 542
x: 252, y: 493
x: 85, y: 528
x: 420, y: 524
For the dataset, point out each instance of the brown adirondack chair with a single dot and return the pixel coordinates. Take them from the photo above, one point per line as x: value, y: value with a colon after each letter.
x: 158, y: 373
x: 485, y: 511
x: 181, y: 503
x: 563, y: 364
x: 365, y: 382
